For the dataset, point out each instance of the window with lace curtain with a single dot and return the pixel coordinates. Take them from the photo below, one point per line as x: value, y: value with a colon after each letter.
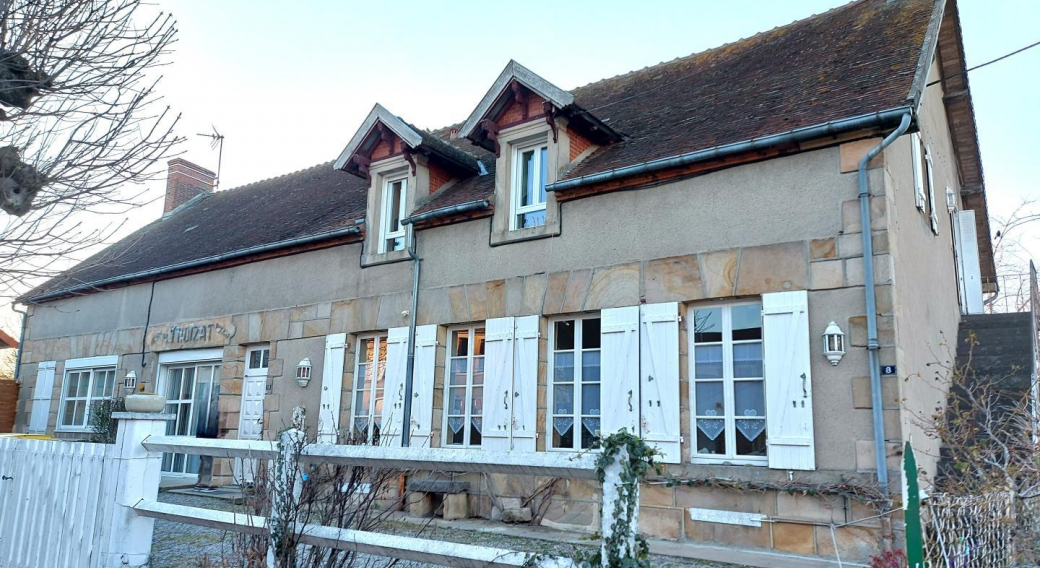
x: 464, y: 387
x: 574, y: 379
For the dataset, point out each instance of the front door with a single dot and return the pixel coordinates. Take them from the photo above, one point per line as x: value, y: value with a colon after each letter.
x: 251, y: 417
x: 191, y: 394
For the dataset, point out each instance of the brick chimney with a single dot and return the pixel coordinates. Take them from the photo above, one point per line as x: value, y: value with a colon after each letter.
x: 184, y: 181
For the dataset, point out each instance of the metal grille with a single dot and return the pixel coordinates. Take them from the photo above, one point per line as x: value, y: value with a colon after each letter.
x: 974, y: 531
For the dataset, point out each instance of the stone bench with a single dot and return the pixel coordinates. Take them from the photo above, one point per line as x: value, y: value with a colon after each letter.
x: 427, y: 495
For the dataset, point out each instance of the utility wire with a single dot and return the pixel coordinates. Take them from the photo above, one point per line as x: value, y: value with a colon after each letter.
x: 980, y: 65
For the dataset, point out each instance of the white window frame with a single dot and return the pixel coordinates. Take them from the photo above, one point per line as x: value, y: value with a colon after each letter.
x: 93, y: 365
x: 373, y: 413
x: 728, y: 393
x: 386, y: 231
x: 517, y: 208
x: 576, y: 383
x: 472, y: 330
x: 188, y: 357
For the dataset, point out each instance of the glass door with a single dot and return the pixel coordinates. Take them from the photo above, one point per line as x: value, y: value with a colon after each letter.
x: 191, y: 391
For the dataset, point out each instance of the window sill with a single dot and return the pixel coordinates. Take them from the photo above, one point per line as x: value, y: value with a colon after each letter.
x: 375, y: 259
x: 547, y: 231
x: 735, y: 462
x: 72, y: 430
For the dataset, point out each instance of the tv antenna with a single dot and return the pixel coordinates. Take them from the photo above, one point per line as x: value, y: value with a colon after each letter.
x: 218, y: 144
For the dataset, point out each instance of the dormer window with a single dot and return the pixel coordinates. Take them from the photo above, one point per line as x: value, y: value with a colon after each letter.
x: 530, y: 165
x: 395, y: 199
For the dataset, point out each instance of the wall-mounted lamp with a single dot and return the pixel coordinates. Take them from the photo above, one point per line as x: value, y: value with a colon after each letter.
x: 951, y: 199
x: 130, y: 382
x: 303, y: 372
x: 833, y: 343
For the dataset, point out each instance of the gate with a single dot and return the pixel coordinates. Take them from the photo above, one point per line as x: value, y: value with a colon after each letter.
x: 55, y: 503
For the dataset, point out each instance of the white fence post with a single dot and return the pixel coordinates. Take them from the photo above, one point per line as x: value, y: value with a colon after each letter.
x: 620, y: 504
x: 129, y: 540
x: 288, y: 488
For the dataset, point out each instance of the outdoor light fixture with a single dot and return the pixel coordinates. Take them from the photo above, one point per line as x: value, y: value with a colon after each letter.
x: 833, y: 343
x: 951, y: 199
x: 130, y: 382
x: 303, y: 372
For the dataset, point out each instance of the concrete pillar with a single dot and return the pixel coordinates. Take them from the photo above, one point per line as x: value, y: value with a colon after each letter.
x: 286, y: 492
x: 615, y: 505
x: 129, y: 538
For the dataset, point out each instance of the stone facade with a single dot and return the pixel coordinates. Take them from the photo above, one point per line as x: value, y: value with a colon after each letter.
x: 788, y: 256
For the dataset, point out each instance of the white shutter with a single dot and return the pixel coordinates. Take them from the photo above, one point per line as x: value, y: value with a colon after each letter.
x: 789, y: 412
x: 41, y: 401
x: 968, y: 262
x: 659, y: 378
x: 619, y: 370
x: 331, y: 388
x: 934, y: 219
x: 498, y: 384
x: 422, y: 385
x: 918, y: 167
x: 525, y: 384
x: 392, y: 418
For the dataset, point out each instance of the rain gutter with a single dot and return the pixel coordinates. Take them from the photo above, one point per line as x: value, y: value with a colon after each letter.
x: 873, y: 120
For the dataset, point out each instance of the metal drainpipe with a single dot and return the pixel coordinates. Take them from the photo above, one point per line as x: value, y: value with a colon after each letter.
x: 406, y: 433
x: 21, y: 343
x: 877, y: 401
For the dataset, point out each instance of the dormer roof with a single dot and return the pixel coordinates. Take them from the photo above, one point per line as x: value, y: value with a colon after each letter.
x: 380, y: 125
x: 501, y: 95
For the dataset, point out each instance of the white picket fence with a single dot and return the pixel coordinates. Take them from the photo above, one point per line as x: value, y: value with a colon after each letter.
x: 55, y: 503
x: 94, y: 506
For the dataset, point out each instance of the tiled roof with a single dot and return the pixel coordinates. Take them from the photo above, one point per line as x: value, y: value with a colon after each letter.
x: 854, y: 60
x: 308, y: 202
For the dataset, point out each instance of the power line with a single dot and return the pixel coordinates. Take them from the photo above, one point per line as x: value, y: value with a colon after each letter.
x: 1002, y: 57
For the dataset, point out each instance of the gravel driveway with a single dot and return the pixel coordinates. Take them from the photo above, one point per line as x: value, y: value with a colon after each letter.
x: 177, y: 545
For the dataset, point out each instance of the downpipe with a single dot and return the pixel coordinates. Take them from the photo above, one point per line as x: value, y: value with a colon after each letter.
x: 877, y: 401
x: 406, y: 419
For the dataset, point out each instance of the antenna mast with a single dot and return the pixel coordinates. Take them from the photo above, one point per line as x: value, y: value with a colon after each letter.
x: 218, y: 144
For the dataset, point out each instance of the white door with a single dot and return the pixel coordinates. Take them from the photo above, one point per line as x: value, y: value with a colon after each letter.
x: 331, y: 388
x: 251, y: 415
x: 968, y: 271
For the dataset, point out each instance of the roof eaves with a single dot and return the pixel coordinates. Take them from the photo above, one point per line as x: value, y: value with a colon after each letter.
x: 378, y: 114
x: 525, y: 77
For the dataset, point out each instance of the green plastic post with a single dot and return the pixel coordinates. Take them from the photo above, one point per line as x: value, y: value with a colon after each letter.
x: 912, y: 515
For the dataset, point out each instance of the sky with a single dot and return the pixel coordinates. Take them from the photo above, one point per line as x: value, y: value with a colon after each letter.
x: 288, y: 84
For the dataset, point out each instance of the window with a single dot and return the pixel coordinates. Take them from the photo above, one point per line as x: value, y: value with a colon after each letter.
x: 82, y: 390
x: 259, y: 358
x: 395, y: 198
x: 464, y: 391
x: 575, y: 380
x: 369, y: 384
x: 191, y: 390
x: 530, y: 165
x: 729, y: 387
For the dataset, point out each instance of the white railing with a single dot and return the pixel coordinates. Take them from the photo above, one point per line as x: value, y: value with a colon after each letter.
x: 108, y: 519
x: 55, y: 503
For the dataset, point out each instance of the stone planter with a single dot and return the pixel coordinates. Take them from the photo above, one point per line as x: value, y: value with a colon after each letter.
x: 147, y: 403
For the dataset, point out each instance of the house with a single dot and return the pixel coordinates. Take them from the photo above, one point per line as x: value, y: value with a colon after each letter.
x: 662, y: 251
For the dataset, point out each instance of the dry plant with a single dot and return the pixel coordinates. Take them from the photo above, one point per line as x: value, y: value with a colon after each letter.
x: 989, y: 437
x: 346, y: 497
x: 81, y: 126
